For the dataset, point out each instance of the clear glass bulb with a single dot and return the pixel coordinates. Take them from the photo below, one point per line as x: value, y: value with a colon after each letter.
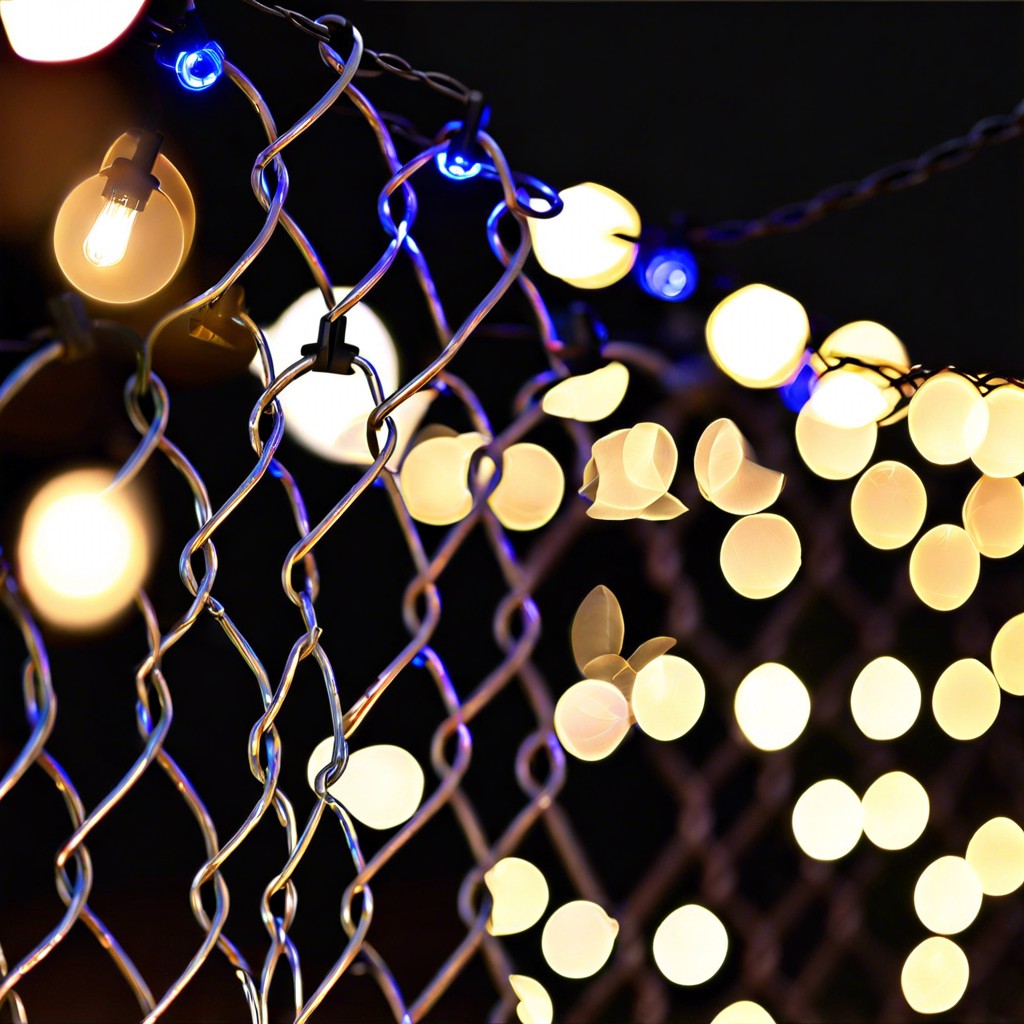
x: 107, y: 241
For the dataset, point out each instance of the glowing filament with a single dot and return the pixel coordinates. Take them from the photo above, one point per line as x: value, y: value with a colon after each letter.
x: 107, y: 242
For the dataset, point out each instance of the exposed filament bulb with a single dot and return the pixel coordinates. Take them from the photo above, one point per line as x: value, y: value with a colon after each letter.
x: 107, y: 241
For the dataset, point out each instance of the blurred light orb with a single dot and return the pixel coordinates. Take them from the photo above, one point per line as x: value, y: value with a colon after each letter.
x: 582, y: 243
x: 944, y: 567
x: 667, y: 697
x: 947, y: 896
x: 531, y: 487
x: 577, y: 939
x: 588, y: 397
x: 996, y: 853
x: 82, y: 555
x: 743, y: 1012
x: 772, y: 706
x: 592, y: 718
x: 935, y: 975
x: 535, y: 1006
x: 888, y: 505
x: 690, y: 945
x: 728, y: 475
x: 965, y: 700
x: 948, y: 419
x: 833, y: 452
x: 757, y: 335
x: 993, y: 516
x: 850, y: 400
x: 760, y: 555
x: 885, y: 699
x: 434, y: 478
x: 827, y: 820
x: 1002, y: 452
x: 1008, y: 656
x: 520, y: 894
x: 669, y: 275
x: 867, y: 341
x: 382, y: 785
x: 60, y: 30
x: 896, y: 809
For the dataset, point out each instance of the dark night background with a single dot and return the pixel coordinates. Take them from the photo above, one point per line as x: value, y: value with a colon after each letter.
x: 708, y: 111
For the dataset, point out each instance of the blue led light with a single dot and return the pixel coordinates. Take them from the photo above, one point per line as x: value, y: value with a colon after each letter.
x: 458, y: 168
x: 796, y: 391
x: 199, y: 69
x: 669, y: 275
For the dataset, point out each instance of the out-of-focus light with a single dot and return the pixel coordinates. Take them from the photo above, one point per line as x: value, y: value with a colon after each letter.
x: 690, y: 945
x: 834, y: 453
x: 60, y: 30
x: 381, y: 786
x: 531, y: 487
x: 535, y: 1006
x: 935, y: 975
x: 198, y: 69
x: 1002, y: 452
x: 885, y: 699
x: 996, y: 853
x: 888, y: 505
x: 993, y: 516
x: 743, y: 1012
x: 965, y: 700
x: 589, y: 243
x: 760, y: 555
x: 727, y: 474
x: 435, y: 478
x: 520, y: 894
x: 667, y: 697
x: 591, y: 719
x: 457, y: 167
x: 947, y: 896
x: 772, y: 706
x: 757, y: 335
x: 669, y: 274
x: 796, y: 392
x: 867, y: 341
x: 588, y: 397
x: 944, y: 567
x: 82, y: 554
x: 598, y: 627
x: 847, y: 399
x: 895, y: 811
x: 948, y: 419
x: 577, y: 939
x: 827, y: 820
x: 1008, y: 656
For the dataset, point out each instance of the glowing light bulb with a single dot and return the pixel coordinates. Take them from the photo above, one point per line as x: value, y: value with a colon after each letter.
x: 457, y: 167
x: 591, y: 719
x: 198, y: 69
x: 82, y: 554
x: 965, y: 700
x: 850, y: 400
x: 535, y: 1006
x: 947, y: 896
x: 1008, y: 656
x: 993, y: 516
x: 935, y: 975
x: 827, y: 820
x: 756, y: 335
x: 996, y: 853
x: 60, y: 30
x: 531, y: 487
x: 948, y: 419
x: 667, y: 697
x: 690, y: 945
x: 896, y: 809
x: 727, y: 474
x: 888, y: 505
x: 520, y: 895
x: 1001, y: 454
x: 588, y: 397
x: 107, y: 241
x: 772, y: 706
x: 944, y: 567
x: 577, y: 939
x: 760, y: 555
x: 833, y: 452
x: 669, y: 275
x: 885, y: 699
x: 743, y: 1012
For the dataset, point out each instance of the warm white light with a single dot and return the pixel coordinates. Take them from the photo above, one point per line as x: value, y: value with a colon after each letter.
x: 847, y: 399
x: 1002, y: 452
x: 591, y: 719
x: 382, y: 786
x: 531, y: 487
x: 996, y: 853
x: 743, y: 1012
x: 59, y: 30
x: 667, y: 697
x: 1008, y: 656
x: 535, y: 1006
x: 520, y: 894
x: 994, y: 516
x: 944, y: 567
x: 82, y: 554
x: 895, y: 811
x: 435, y: 478
x: 107, y: 241
x: 577, y: 939
x: 888, y: 505
x: 827, y: 820
x: 772, y: 706
x: 834, y: 453
x: 947, y: 896
x: 948, y: 419
x: 760, y: 555
x: 690, y: 945
x: 867, y: 341
x: 582, y: 243
x: 588, y: 397
x: 885, y: 699
x: 728, y: 475
x: 935, y: 975
x: 757, y: 335
x: 965, y: 700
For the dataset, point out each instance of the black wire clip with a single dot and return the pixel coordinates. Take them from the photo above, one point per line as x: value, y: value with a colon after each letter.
x: 333, y: 355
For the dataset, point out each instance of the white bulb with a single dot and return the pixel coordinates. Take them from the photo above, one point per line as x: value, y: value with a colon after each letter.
x: 107, y: 241
x: 59, y: 30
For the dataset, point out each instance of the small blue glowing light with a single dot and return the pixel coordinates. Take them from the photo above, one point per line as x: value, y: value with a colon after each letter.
x: 457, y: 167
x: 796, y: 391
x: 670, y: 275
x: 199, y: 69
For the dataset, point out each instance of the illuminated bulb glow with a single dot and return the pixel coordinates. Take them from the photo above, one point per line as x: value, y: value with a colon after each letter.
x: 107, y: 241
x: 690, y: 945
x: 588, y: 397
x: 965, y: 700
x: 667, y: 697
x: 935, y: 975
x: 827, y: 820
x: 591, y: 719
x: 993, y: 516
x: 577, y: 939
x: 996, y: 853
x: 198, y: 69
x: 535, y: 1006
x: 772, y: 706
x: 1002, y: 452
x: 670, y: 275
x: 727, y: 474
x: 760, y: 555
x: 944, y: 567
x: 743, y: 1012
x: 947, y: 896
x: 833, y: 452
x: 948, y: 419
x: 896, y: 809
x: 849, y: 400
x: 520, y: 895
x: 888, y: 505
x: 60, y: 30
x: 885, y: 699
x: 867, y: 341
x: 1008, y: 656
x: 457, y: 167
x: 531, y: 487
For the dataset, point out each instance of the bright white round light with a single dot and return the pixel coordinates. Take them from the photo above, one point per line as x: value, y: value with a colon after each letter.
x: 588, y: 397
x: 888, y: 505
x: 59, y: 30
x: 535, y: 1006
x: 935, y: 975
x: 435, y: 478
x: 757, y: 335
x: 690, y: 945
x: 580, y: 244
x: 996, y: 853
x: 591, y: 719
x: 82, y: 554
x: 760, y: 555
x: 885, y: 699
x: 944, y: 567
x: 668, y: 697
x: 520, y: 894
x: 867, y: 341
x: 896, y: 811
x: 381, y: 786
x: 1002, y: 452
x: 994, y: 516
x: 1008, y: 656
x: 727, y: 474
x: 948, y: 419
x: 772, y: 706
x: 965, y: 700
x: 849, y: 400
x: 834, y: 453
x: 531, y: 487
x: 947, y: 896
x: 827, y: 820
x: 743, y: 1012
x: 577, y: 939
